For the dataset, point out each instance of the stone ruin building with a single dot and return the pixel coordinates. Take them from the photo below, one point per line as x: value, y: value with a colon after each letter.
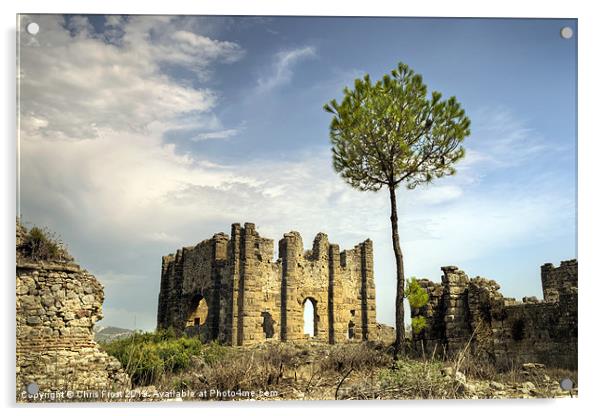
x: 232, y: 290
x: 57, y: 304
x: 472, y: 314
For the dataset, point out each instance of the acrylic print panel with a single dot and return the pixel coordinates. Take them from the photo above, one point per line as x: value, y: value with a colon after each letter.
x: 422, y: 154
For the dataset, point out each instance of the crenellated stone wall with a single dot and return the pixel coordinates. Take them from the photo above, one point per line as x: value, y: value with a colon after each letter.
x: 251, y: 298
x: 472, y: 315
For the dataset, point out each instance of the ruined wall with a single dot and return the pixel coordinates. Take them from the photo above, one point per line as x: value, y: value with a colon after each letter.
x: 542, y: 330
x: 472, y: 314
x: 357, y: 305
x: 252, y: 298
x: 57, y: 304
x: 558, y: 280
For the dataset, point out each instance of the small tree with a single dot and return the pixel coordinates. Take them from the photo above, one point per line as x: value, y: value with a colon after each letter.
x: 391, y: 133
x: 417, y: 297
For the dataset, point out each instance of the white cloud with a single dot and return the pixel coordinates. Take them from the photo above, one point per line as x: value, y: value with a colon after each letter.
x: 440, y: 194
x: 193, y: 45
x: 79, y: 84
x: 93, y: 115
x: 213, y: 135
x: 282, y: 69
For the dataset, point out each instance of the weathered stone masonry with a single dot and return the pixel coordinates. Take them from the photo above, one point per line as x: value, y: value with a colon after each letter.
x: 230, y: 289
x: 57, y: 304
x: 463, y: 311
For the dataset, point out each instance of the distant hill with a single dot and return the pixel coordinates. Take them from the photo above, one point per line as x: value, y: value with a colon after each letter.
x: 110, y: 333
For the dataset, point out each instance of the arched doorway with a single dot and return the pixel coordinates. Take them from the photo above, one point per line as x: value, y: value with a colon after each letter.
x: 197, y: 312
x: 310, y: 317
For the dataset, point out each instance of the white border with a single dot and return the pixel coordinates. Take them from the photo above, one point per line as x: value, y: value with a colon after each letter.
x: 590, y: 210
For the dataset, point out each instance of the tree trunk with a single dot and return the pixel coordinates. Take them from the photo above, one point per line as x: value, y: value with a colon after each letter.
x: 399, y: 308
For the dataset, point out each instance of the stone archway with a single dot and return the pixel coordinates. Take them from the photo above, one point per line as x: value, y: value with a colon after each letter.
x: 310, y: 317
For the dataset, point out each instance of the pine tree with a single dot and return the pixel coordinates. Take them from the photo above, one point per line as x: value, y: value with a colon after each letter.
x: 390, y: 133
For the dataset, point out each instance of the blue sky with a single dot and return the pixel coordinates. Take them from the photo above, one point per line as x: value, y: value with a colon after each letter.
x: 143, y: 134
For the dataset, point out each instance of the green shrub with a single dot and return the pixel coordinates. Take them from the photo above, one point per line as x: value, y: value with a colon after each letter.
x: 416, y: 294
x: 147, y: 356
x: 42, y: 244
x: 418, y: 324
x: 417, y: 298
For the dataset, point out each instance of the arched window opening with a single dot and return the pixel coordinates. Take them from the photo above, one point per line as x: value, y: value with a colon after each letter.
x: 310, y: 318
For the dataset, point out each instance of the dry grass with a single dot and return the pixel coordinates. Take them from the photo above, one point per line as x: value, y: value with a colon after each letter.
x: 356, y: 357
x: 258, y: 369
x: 350, y: 371
x: 418, y: 379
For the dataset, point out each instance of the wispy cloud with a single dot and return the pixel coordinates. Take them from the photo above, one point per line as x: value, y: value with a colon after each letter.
x: 191, y: 44
x: 502, y: 139
x: 216, y: 135
x: 281, y: 71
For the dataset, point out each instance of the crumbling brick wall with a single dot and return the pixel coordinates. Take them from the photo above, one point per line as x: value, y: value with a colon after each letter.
x: 57, y: 304
x: 251, y: 297
x: 471, y: 315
